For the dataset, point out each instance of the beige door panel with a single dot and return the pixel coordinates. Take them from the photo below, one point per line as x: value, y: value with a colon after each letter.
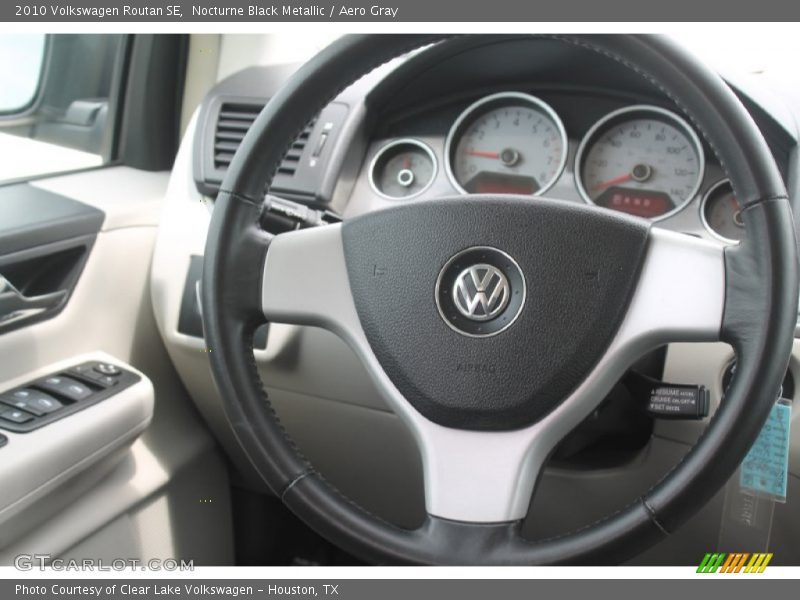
x: 121, y: 459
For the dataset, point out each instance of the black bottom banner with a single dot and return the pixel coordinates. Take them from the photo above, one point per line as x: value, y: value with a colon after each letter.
x: 704, y: 586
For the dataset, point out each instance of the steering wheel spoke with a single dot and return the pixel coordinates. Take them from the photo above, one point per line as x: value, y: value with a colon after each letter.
x: 304, y: 282
x: 680, y: 295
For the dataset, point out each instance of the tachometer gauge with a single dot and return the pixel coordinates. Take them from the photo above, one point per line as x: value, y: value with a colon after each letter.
x: 403, y: 169
x: 721, y: 213
x: 641, y: 160
x: 507, y: 143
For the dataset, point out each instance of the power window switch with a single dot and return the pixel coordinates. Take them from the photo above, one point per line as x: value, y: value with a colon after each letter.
x: 43, y: 404
x: 18, y: 396
x: 33, y: 401
x: 15, y: 416
x: 64, y: 386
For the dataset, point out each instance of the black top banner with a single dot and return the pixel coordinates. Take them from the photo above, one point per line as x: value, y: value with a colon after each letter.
x: 440, y: 11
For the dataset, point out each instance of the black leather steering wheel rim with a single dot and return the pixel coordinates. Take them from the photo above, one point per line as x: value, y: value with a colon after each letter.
x: 758, y: 320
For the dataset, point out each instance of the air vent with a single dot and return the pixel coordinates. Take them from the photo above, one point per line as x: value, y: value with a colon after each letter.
x: 233, y: 123
x: 300, y: 174
x: 295, y: 153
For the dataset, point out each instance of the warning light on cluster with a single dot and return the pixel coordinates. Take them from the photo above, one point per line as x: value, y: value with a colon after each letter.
x: 641, y: 203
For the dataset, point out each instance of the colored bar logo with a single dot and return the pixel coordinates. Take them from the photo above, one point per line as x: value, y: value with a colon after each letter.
x: 735, y: 562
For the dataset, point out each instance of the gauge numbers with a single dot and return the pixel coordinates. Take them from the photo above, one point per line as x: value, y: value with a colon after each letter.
x: 641, y: 160
x: 507, y: 143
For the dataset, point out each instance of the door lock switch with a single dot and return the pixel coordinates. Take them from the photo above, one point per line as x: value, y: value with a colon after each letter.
x: 15, y: 416
x: 105, y: 380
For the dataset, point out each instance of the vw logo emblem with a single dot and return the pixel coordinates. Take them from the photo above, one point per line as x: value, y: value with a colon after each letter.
x: 481, y: 292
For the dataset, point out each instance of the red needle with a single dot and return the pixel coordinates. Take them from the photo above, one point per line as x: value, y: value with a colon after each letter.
x: 483, y: 154
x: 610, y: 182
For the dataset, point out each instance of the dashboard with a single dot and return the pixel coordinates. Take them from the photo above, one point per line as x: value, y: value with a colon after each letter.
x: 567, y: 126
x: 642, y: 159
x: 486, y: 118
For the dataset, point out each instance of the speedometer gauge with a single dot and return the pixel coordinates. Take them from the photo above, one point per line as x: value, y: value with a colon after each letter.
x: 641, y: 160
x: 506, y: 143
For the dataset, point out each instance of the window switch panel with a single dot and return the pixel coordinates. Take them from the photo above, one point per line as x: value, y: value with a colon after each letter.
x: 62, y: 394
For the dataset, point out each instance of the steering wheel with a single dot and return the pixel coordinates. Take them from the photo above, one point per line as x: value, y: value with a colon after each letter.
x: 493, y: 325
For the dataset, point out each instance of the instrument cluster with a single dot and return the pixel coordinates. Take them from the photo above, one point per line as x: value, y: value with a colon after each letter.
x: 642, y: 160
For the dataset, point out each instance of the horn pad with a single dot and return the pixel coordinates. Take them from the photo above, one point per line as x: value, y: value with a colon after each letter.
x: 487, y: 311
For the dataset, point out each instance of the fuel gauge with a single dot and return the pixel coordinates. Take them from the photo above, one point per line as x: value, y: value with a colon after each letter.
x: 721, y: 213
x: 403, y: 169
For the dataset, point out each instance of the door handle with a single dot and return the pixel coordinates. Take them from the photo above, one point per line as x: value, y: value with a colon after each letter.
x: 15, y: 305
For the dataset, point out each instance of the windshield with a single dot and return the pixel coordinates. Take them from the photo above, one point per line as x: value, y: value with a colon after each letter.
x: 768, y: 50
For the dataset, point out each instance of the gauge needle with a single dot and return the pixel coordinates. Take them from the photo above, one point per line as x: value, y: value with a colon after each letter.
x: 483, y: 154
x: 610, y: 182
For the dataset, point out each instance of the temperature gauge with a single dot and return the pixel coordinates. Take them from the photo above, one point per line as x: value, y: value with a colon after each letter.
x: 403, y: 169
x: 721, y: 213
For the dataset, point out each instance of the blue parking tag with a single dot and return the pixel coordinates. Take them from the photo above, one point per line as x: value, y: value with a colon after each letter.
x: 766, y: 466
